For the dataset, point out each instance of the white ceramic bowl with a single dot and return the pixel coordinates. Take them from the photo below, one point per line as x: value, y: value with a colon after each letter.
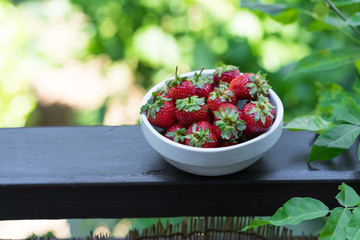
x: 213, y: 161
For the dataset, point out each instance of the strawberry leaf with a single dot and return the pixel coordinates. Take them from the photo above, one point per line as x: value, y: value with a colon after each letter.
x: 241, y: 125
x: 257, y: 116
x: 226, y: 133
x: 190, y: 104
x: 170, y: 134
x: 217, y: 115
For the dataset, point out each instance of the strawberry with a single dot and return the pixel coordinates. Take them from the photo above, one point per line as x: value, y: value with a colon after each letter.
x: 221, y: 94
x: 259, y: 116
x: 160, y: 111
x: 191, y: 109
x: 163, y: 91
x: 176, y: 133
x: 226, y: 143
x: 250, y: 86
x: 227, y: 122
x: 225, y: 73
x: 180, y: 87
x: 203, y: 84
x: 200, y: 134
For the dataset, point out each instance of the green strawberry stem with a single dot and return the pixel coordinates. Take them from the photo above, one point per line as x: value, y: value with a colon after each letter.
x: 229, y: 123
x: 153, y: 105
x: 198, y: 75
x: 176, y: 81
x: 258, y: 85
x: 199, y: 138
x: 224, y: 68
x: 190, y: 104
x: 262, y: 109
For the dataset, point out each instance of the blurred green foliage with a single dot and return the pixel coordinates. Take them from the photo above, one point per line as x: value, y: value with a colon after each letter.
x: 155, y: 36
x: 297, y: 43
x: 16, y: 101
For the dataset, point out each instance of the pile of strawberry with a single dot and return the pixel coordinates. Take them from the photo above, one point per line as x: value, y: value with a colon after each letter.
x: 202, y: 111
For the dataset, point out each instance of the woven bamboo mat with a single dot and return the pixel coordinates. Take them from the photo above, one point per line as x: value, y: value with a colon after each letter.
x: 202, y: 228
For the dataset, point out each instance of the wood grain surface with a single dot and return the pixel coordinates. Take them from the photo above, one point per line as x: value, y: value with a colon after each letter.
x: 112, y: 172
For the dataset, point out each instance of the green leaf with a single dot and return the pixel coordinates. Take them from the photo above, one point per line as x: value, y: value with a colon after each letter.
x: 293, y: 212
x: 359, y: 152
x: 310, y: 123
x: 287, y: 16
x: 356, y: 85
x: 348, y: 111
x: 335, y: 227
x: 256, y: 223
x: 170, y: 134
x: 352, y: 229
x: 340, y: 3
x: 319, y: 26
x: 347, y: 197
x: 297, y: 210
x: 326, y: 59
x: 271, y: 9
x: 329, y: 95
x: 354, y: 20
x: 334, y: 141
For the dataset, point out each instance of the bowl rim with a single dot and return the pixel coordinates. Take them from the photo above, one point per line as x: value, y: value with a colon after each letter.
x: 275, y: 101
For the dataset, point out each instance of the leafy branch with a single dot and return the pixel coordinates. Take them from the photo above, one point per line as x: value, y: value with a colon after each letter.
x: 342, y: 223
x: 336, y: 10
x: 342, y: 127
x: 281, y: 7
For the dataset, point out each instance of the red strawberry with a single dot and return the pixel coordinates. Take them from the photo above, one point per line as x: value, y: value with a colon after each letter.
x: 180, y: 87
x: 227, y: 122
x: 191, y: 109
x: 160, y: 111
x: 225, y: 73
x: 163, y: 91
x: 250, y: 86
x: 200, y: 134
x: 203, y: 84
x: 220, y: 95
x: 226, y: 143
x: 259, y: 116
x: 176, y: 133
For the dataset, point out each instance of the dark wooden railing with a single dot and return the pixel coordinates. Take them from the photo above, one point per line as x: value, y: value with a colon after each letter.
x: 112, y: 172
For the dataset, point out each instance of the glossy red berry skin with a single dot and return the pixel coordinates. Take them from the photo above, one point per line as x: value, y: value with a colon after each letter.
x: 187, y: 118
x: 164, y: 118
x: 215, y: 99
x: 183, y: 90
x: 205, y: 90
x: 238, y: 86
x: 176, y: 133
x: 254, y: 129
x: 226, y: 74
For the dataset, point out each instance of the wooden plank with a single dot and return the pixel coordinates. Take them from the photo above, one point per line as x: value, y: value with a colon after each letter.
x: 112, y: 172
